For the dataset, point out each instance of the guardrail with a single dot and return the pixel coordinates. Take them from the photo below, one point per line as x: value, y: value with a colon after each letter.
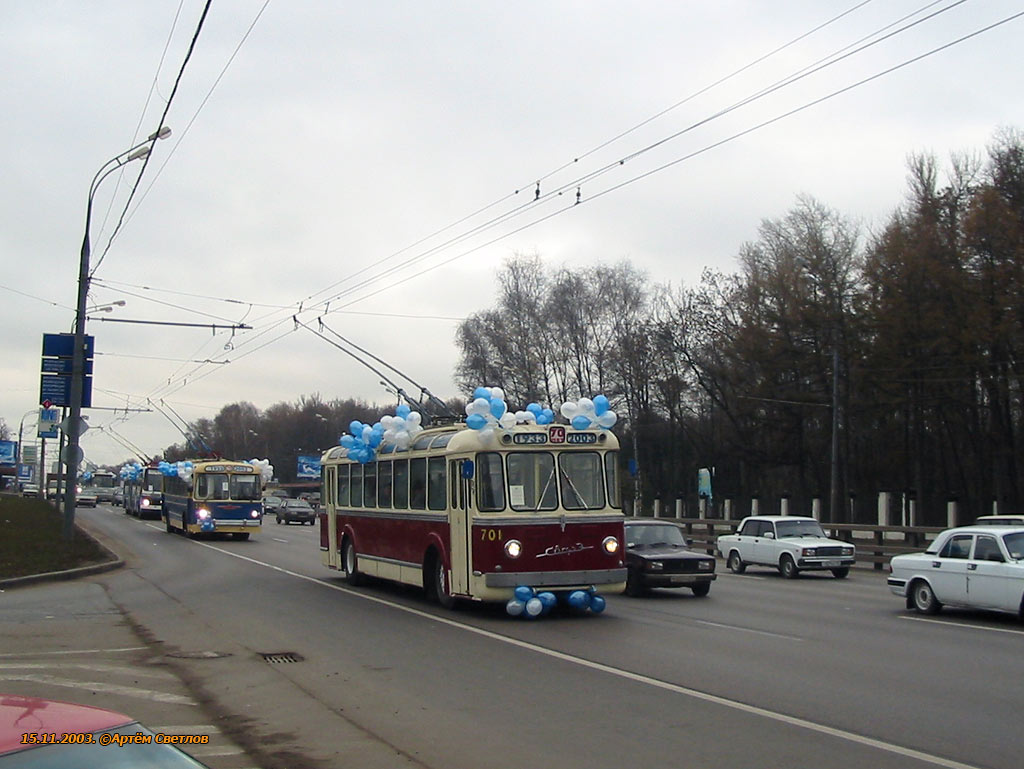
x: 875, y: 544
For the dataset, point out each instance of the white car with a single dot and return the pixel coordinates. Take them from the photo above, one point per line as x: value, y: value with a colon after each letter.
x: 788, y: 543
x: 975, y: 567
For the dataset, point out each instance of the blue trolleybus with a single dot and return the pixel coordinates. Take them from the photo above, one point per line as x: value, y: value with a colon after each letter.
x: 216, y: 496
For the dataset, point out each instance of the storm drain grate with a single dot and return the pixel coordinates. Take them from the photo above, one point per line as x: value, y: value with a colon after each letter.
x: 277, y: 658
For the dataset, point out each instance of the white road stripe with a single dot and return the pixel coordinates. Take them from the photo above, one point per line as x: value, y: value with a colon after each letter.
x: 99, y: 686
x: 748, y: 630
x: 965, y: 627
x: 74, y: 651
x: 113, y: 669
x: 742, y: 707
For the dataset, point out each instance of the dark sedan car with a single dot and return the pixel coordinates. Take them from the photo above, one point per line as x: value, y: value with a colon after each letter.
x: 296, y: 510
x: 658, y: 555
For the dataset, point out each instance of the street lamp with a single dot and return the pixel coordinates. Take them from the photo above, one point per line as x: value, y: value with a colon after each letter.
x: 74, y: 431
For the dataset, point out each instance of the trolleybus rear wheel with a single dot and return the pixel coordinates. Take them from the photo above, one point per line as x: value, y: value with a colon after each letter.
x: 441, y: 592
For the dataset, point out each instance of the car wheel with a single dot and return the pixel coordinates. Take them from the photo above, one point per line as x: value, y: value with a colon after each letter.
x: 634, y: 585
x: 350, y: 564
x: 924, y: 598
x: 787, y: 566
x: 701, y: 589
x: 441, y: 591
x: 842, y: 573
x: 735, y: 563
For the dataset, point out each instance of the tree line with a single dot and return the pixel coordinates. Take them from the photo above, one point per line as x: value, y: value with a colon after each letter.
x: 833, y: 364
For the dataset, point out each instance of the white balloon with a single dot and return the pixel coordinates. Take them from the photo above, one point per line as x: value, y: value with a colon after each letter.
x: 402, y: 440
x: 607, y: 419
x: 414, y: 418
x: 479, y: 406
x: 497, y: 394
x: 508, y: 419
x: 569, y: 410
x: 586, y: 406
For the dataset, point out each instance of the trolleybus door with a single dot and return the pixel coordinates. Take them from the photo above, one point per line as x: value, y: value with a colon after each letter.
x: 458, y: 527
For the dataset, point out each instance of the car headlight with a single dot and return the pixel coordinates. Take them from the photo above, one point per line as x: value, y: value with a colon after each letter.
x: 655, y: 565
x: 610, y: 545
x: 808, y: 551
x: 848, y: 551
x: 706, y: 565
x: 202, y: 514
x: 513, y: 548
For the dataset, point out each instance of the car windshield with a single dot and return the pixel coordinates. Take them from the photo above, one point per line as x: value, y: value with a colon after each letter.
x: 152, y: 755
x: 298, y: 503
x: 798, y: 529
x: 1015, y: 545
x: 665, y: 534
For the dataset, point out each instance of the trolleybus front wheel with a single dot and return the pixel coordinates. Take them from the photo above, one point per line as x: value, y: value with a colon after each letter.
x: 441, y: 592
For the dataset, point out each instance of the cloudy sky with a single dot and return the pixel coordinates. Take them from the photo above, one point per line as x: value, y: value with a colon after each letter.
x: 378, y: 162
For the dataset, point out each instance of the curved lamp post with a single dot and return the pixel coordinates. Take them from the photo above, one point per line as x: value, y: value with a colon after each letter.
x: 74, y: 432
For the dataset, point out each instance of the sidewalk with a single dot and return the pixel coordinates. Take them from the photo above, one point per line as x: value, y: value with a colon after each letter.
x: 65, y: 639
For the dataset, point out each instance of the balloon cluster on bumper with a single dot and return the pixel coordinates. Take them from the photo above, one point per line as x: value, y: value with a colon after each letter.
x: 527, y: 602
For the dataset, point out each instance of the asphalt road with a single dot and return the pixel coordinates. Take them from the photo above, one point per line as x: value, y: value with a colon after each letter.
x: 764, y: 672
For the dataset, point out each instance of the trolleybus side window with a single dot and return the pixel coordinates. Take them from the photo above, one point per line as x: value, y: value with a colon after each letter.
x: 611, y: 473
x: 384, y: 484
x: 582, y: 480
x: 370, y: 484
x: 401, y: 495
x: 490, y: 482
x: 418, y: 483
x: 343, y: 495
x: 356, y: 486
x: 245, y: 487
x: 436, y: 482
x: 531, y: 481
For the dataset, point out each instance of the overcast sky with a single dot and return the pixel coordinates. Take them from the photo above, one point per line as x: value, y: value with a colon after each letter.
x: 318, y: 147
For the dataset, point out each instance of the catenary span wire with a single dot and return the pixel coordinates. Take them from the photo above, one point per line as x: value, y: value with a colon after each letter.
x: 188, y: 126
x: 163, y: 121
x: 607, y: 168
x: 663, y: 167
x: 650, y: 172
x: 698, y: 152
x: 595, y: 149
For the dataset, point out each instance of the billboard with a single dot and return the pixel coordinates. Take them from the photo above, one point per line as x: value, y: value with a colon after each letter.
x: 308, y: 467
x: 9, y: 453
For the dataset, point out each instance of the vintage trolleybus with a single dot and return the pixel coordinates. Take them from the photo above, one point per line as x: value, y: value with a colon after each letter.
x: 218, y: 496
x: 470, y: 517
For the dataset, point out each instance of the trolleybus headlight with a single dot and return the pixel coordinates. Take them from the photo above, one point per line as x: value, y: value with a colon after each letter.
x: 144, y: 503
x: 513, y: 548
x: 254, y: 514
x: 610, y: 545
x: 202, y: 514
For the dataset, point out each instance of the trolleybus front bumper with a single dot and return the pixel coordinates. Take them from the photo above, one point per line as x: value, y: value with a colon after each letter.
x: 555, y: 579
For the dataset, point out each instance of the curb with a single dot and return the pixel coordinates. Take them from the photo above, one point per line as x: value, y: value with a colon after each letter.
x: 114, y: 562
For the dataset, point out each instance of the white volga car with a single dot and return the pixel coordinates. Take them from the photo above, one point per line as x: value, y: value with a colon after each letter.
x: 976, y: 567
x: 789, y: 543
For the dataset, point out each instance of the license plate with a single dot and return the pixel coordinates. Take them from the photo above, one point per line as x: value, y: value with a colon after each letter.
x: 833, y: 564
x: 680, y: 579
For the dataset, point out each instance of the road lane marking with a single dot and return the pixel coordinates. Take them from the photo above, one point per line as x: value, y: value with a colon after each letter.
x: 100, y: 686
x: 965, y: 627
x: 748, y: 630
x: 74, y: 651
x: 742, y: 707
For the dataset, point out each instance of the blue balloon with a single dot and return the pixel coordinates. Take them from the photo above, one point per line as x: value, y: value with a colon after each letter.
x: 355, y: 427
x: 579, y: 599
x: 523, y: 593
x: 475, y: 422
x: 548, y: 599
x: 403, y: 411
x: 580, y: 422
x: 534, y: 408
x: 482, y: 392
x: 597, y: 604
x: 347, y: 441
x: 546, y: 417
x: 600, y: 404
x: 498, y: 407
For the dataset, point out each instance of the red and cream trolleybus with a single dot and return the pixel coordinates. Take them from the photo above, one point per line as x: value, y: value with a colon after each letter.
x: 471, y: 516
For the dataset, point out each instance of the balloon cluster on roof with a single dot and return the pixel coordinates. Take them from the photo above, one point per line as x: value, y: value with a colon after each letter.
x: 399, y: 429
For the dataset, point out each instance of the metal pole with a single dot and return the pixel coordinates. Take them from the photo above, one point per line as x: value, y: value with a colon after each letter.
x: 834, y: 515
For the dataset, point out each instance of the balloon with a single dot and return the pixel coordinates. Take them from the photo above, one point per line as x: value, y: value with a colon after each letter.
x: 523, y: 593
x: 579, y: 599
x: 475, y: 422
x: 597, y: 604
x: 600, y: 404
x: 586, y: 405
x: 546, y: 417
x: 403, y: 410
x: 414, y: 418
x: 355, y: 427
x: 534, y: 607
x: 549, y: 600
x: 569, y: 410
x: 534, y: 408
x: 507, y: 420
x: 514, y: 607
x: 607, y: 420
x: 497, y: 408
x: 580, y: 422
x: 347, y: 441
x: 497, y: 394
x: 478, y: 406
x: 482, y: 392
